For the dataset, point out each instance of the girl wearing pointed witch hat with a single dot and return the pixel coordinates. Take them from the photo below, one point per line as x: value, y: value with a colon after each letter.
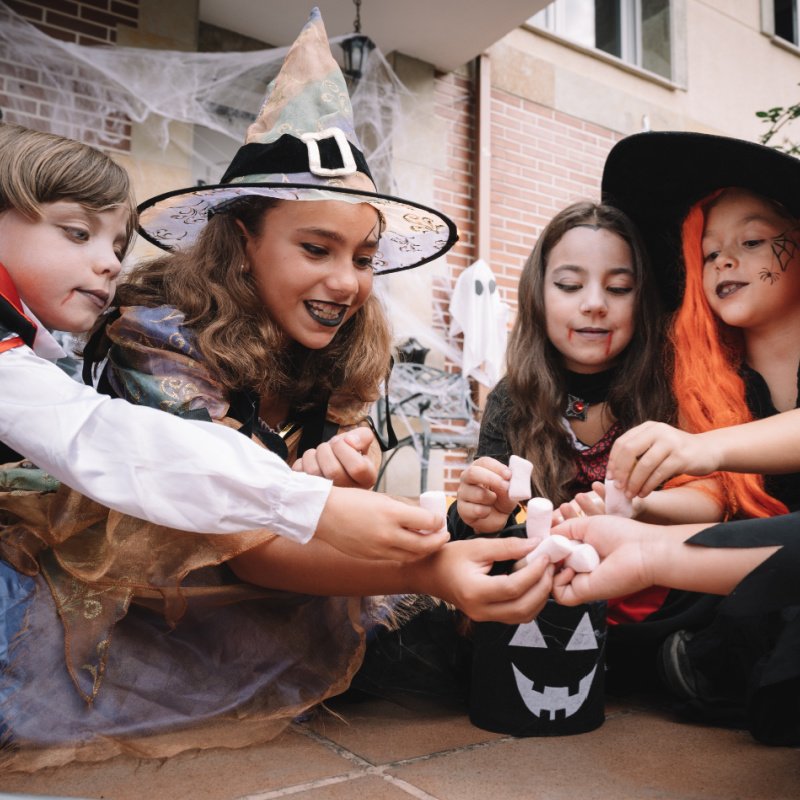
x: 732, y: 219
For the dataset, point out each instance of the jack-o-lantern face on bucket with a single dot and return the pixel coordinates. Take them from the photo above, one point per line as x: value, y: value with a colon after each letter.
x: 558, y: 676
x: 543, y: 678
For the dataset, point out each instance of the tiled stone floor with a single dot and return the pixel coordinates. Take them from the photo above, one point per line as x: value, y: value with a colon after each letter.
x: 383, y: 750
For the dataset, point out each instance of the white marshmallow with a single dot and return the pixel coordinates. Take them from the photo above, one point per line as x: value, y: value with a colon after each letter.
x: 583, y: 558
x: 556, y: 547
x: 580, y: 556
x: 616, y: 501
x: 519, y: 488
x: 437, y: 502
x: 539, y: 519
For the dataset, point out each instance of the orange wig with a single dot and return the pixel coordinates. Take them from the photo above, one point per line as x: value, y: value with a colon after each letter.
x: 708, y: 389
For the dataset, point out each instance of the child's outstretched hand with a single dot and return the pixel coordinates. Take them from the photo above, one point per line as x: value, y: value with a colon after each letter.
x: 590, y: 504
x: 584, y: 504
x: 459, y: 573
x: 625, y: 560
x: 482, y: 498
x: 344, y: 459
x: 650, y: 454
x: 367, y: 524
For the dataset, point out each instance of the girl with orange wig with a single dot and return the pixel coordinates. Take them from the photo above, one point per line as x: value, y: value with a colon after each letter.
x: 735, y: 334
x: 731, y: 210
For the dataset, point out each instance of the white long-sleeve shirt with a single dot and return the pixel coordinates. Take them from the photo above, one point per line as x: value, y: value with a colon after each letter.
x: 185, y: 474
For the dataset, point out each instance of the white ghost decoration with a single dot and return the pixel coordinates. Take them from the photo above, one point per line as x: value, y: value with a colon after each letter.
x: 477, y: 310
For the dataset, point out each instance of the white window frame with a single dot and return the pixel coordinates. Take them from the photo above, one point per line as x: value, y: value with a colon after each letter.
x: 630, y: 36
x: 768, y: 24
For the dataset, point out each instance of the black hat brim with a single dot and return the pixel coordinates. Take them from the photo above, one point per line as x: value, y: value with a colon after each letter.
x: 413, y: 234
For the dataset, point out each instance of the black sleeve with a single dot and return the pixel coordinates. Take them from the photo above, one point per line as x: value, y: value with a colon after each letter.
x: 772, y: 585
x: 12, y: 321
x: 493, y: 442
x: 493, y: 439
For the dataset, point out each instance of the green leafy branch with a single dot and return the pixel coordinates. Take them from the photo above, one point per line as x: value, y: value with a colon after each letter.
x: 778, y: 118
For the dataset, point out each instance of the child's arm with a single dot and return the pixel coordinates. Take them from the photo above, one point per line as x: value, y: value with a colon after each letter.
x: 682, y: 504
x: 457, y: 573
x: 483, y: 501
x: 186, y: 474
x: 636, y: 555
x: 646, y: 456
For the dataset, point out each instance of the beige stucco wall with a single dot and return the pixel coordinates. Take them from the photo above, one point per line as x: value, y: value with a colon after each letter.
x: 731, y: 71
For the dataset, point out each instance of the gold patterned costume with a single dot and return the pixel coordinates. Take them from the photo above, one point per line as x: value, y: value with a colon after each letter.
x: 122, y: 635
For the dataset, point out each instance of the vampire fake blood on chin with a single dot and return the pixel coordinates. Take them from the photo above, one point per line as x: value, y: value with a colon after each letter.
x: 543, y: 678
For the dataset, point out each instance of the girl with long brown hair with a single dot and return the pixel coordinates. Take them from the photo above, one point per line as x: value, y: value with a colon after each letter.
x: 585, y: 363
x: 572, y: 389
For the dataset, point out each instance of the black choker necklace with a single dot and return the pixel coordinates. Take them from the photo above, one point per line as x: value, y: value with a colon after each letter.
x: 584, y: 390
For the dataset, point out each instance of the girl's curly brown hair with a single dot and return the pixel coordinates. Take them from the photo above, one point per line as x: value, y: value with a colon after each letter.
x: 241, y: 345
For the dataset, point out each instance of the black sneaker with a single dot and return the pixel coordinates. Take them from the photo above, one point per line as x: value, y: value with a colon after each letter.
x: 698, y: 698
x: 675, y: 669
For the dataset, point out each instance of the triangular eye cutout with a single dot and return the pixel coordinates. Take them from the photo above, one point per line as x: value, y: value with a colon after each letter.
x: 528, y: 635
x: 583, y: 638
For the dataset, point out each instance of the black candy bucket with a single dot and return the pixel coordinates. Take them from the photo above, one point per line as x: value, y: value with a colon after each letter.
x: 543, y: 678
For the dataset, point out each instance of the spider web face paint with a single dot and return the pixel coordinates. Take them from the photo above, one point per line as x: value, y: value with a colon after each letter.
x: 784, y: 248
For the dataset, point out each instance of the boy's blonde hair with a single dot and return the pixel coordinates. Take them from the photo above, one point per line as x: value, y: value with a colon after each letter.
x: 38, y: 168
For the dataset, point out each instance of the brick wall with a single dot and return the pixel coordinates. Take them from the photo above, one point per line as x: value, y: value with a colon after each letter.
x: 39, y: 97
x: 454, y: 193
x: 79, y: 21
x: 542, y: 160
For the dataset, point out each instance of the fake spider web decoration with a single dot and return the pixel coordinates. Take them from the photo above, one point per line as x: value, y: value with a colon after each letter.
x: 196, y: 107
x: 94, y: 93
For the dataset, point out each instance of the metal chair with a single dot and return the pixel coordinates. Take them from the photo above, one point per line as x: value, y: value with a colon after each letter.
x: 441, y: 404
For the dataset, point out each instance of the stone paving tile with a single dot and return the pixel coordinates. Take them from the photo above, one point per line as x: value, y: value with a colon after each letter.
x: 217, y: 774
x: 632, y: 755
x: 382, y: 731
x: 395, y: 751
x: 370, y: 787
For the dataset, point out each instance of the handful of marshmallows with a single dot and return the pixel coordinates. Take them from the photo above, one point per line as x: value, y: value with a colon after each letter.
x: 580, y: 556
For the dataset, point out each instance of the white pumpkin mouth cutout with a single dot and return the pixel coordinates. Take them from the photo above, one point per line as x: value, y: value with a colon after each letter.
x: 553, y: 702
